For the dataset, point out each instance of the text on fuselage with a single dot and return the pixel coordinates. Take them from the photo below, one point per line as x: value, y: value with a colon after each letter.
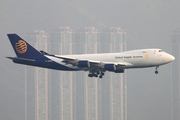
x: 127, y: 57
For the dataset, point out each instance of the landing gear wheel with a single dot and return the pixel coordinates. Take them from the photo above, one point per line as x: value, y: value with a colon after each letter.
x: 95, y: 75
x: 100, y: 76
x: 156, y: 69
x: 102, y: 73
x: 90, y: 75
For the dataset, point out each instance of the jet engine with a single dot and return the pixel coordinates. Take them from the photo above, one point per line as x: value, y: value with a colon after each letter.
x: 83, y: 63
x: 113, y: 68
x: 110, y: 67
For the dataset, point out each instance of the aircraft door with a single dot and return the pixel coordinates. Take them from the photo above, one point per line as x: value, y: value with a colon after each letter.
x: 158, y: 56
x: 154, y: 52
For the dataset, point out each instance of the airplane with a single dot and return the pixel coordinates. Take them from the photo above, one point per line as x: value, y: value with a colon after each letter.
x: 96, y: 64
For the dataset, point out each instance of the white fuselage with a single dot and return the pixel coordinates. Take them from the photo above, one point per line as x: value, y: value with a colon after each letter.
x: 132, y: 59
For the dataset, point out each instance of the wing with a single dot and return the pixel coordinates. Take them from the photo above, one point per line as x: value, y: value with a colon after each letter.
x: 94, y: 67
x: 81, y: 63
x: 88, y: 64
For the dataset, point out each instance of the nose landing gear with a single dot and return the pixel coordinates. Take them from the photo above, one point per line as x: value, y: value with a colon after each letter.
x: 156, y: 69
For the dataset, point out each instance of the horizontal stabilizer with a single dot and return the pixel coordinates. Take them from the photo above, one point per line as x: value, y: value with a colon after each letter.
x: 21, y: 59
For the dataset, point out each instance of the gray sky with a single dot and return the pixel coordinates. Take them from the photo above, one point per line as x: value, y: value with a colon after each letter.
x: 148, y: 23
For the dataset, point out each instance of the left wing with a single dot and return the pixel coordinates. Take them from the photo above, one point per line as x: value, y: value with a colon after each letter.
x: 88, y: 64
x: 83, y: 63
x: 94, y: 67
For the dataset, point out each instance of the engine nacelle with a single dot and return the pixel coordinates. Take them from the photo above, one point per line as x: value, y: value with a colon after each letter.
x: 83, y: 63
x: 113, y: 68
x: 110, y: 67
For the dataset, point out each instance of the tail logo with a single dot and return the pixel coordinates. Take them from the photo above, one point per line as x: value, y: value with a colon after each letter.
x: 21, y: 46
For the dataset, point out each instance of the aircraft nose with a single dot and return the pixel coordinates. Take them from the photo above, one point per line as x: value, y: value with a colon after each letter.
x: 171, y: 58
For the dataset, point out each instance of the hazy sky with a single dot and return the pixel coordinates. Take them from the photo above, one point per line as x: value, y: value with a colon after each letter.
x: 148, y: 23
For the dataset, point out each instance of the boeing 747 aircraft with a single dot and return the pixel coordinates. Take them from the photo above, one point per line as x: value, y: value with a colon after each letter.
x: 96, y: 64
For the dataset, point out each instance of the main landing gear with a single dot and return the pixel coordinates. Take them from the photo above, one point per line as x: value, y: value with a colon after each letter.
x: 156, y: 69
x: 96, y: 74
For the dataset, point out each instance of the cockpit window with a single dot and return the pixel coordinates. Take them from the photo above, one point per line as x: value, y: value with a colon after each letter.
x: 160, y: 50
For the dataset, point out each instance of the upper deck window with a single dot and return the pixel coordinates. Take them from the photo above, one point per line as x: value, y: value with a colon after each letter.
x: 160, y: 50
